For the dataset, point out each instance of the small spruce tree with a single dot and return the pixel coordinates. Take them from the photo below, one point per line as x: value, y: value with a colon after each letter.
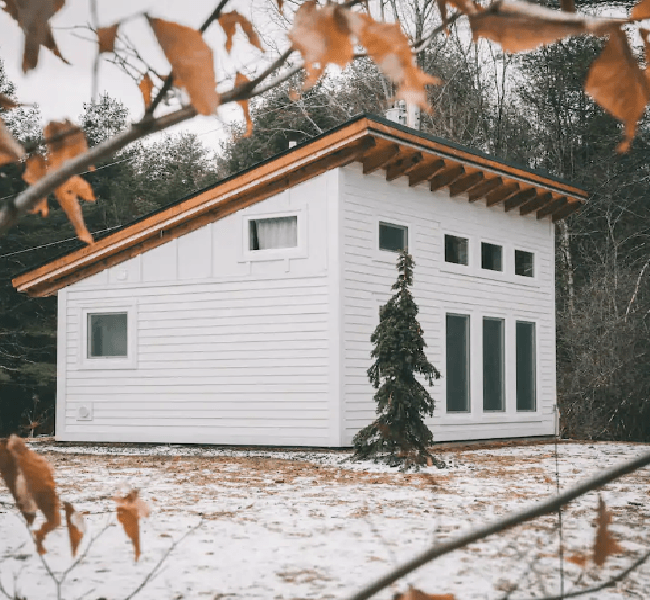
x: 402, y: 401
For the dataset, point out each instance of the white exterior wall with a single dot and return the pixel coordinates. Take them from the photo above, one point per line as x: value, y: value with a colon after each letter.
x: 440, y: 288
x: 228, y: 347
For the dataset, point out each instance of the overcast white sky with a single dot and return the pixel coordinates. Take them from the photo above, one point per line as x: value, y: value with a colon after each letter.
x: 60, y: 89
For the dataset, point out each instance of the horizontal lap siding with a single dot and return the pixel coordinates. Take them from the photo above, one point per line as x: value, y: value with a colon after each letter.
x: 369, y: 273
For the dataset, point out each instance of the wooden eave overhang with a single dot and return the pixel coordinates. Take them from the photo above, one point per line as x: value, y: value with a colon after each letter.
x: 375, y: 143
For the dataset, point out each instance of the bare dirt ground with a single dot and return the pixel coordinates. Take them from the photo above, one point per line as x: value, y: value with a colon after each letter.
x: 310, y: 524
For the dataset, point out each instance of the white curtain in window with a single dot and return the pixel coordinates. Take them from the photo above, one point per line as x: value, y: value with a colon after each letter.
x: 280, y: 232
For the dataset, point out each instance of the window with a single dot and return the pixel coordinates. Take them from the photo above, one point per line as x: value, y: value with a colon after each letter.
x: 393, y: 238
x: 526, y: 391
x: 493, y: 364
x: 456, y: 250
x: 457, y: 363
x: 524, y: 263
x: 107, y: 335
x: 491, y: 257
x: 273, y: 233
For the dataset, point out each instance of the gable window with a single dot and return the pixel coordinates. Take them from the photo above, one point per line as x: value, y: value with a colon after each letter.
x: 491, y: 257
x: 456, y: 250
x: 493, y: 364
x: 526, y: 384
x: 273, y: 233
x: 107, y: 335
x: 457, y: 363
x: 393, y: 238
x: 524, y: 263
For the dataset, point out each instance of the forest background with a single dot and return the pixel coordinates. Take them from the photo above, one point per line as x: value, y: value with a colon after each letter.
x: 530, y: 109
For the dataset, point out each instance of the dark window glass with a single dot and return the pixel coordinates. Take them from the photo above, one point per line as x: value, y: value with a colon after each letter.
x: 491, y: 257
x: 273, y: 234
x: 456, y: 249
x: 493, y: 364
x: 457, y: 376
x: 526, y: 366
x: 524, y: 263
x: 393, y: 237
x: 107, y: 335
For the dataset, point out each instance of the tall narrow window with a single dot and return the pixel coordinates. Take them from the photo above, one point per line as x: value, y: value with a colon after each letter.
x: 457, y: 376
x: 526, y: 384
x: 456, y: 250
x: 107, y: 335
x: 493, y: 364
x: 273, y: 234
x: 491, y: 257
x: 524, y: 263
x: 393, y: 238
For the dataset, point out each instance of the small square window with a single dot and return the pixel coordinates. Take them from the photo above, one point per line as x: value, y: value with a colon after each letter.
x: 274, y: 233
x: 393, y: 238
x: 456, y: 250
x: 524, y: 263
x: 107, y: 335
x: 491, y: 257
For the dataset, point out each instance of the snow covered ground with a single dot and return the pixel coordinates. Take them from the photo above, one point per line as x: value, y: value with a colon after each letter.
x: 283, y: 525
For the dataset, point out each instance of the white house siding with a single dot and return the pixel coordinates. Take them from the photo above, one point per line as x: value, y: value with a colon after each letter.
x: 229, y: 349
x: 368, y: 274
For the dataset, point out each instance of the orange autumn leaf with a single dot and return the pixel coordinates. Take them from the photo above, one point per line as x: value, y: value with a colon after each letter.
x: 415, y: 594
x: 63, y: 141
x: 240, y: 79
x: 35, y: 169
x: 68, y: 196
x: 229, y: 22
x: 641, y: 11
x: 146, y: 87
x: 617, y: 83
x: 76, y: 526
x: 191, y: 60
x: 604, y: 544
x: 322, y: 36
x: 10, y: 149
x: 33, y: 17
x: 389, y: 48
x: 35, y: 488
x: 130, y: 509
x: 7, y: 103
x: 577, y: 559
x: 522, y: 26
x: 106, y: 38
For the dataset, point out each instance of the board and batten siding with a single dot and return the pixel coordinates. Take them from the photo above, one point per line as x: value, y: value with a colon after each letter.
x: 440, y: 288
x: 230, y: 348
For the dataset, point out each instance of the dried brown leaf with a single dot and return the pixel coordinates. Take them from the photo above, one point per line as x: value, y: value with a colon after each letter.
x: 521, y: 26
x: 106, y: 38
x: 35, y: 169
x: 146, y: 87
x: 10, y: 149
x: 63, y: 141
x: 240, y: 79
x: 229, y: 22
x: 604, y: 544
x: 7, y: 103
x: 35, y: 486
x: 617, y: 83
x: 33, y: 17
x: 389, y: 48
x: 191, y: 60
x: 415, y: 594
x: 130, y: 509
x: 76, y: 526
x: 578, y: 559
x: 322, y: 36
x: 68, y: 196
x: 641, y: 11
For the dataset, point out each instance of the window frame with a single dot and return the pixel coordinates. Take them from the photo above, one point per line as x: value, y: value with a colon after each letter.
x: 504, y: 359
x: 467, y: 412
x: 298, y: 251
x: 455, y: 265
x: 390, y: 256
x: 108, y: 362
x: 523, y: 278
x: 536, y: 366
x: 403, y: 228
x: 503, y: 270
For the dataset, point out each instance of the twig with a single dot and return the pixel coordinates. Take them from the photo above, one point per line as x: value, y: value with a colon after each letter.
x: 81, y: 556
x: 163, y: 558
x: 636, y: 289
x: 542, y: 508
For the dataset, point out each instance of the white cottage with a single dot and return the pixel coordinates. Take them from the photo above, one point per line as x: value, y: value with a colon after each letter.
x: 243, y: 314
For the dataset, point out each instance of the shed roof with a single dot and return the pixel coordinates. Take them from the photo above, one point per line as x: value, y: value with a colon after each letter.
x: 378, y: 144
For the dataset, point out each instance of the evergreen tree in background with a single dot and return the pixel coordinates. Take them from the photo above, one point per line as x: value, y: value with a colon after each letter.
x: 402, y: 401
